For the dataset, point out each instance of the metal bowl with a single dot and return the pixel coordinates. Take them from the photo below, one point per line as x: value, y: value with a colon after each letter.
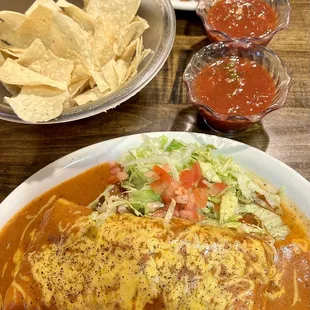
x: 159, y: 38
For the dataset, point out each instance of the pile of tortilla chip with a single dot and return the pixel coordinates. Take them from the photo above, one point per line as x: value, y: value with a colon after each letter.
x: 57, y: 55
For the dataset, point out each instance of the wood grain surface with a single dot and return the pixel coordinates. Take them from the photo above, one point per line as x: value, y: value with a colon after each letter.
x: 163, y: 106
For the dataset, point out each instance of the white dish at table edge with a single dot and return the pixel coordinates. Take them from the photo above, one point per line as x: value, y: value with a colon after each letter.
x: 252, y: 159
x: 184, y: 5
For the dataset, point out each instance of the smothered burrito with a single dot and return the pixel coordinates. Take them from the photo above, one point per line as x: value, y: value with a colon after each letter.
x: 175, y: 227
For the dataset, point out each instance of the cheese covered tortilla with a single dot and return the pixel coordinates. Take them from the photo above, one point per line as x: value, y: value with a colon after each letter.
x: 130, y: 262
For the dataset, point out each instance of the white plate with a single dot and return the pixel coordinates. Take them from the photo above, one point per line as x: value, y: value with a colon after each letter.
x: 190, y: 5
x: 73, y: 164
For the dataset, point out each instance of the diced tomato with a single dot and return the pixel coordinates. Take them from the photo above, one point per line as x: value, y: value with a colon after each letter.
x: 116, y: 174
x: 201, y: 184
x: 217, y: 188
x: 186, y: 178
x: 201, y: 197
x: 182, y: 199
x: 113, y: 179
x: 191, y: 177
x: 163, y: 174
x: 191, y: 215
x: 122, y: 175
x: 169, y: 192
x: 176, y: 213
x: 158, y: 186
x: 115, y: 170
x: 191, y: 205
x: 175, y: 185
x: 166, y: 197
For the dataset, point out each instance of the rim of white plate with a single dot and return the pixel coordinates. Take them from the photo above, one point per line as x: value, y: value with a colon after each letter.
x: 250, y: 158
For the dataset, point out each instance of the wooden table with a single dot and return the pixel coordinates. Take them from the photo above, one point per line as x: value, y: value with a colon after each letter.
x: 163, y: 106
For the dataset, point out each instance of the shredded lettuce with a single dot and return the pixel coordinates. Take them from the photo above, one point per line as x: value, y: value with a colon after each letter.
x: 209, y: 173
x: 228, y: 206
x: 136, y: 178
x: 245, y: 192
x: 141, y: 198
x: 212, y: 222
x: 272, y: 222
x: 175, y: 145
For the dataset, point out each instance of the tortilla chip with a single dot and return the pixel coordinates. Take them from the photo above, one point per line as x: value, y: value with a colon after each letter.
x: 34, y: 52
x: 68, y: 104
x: 47, y: 3
x: 92, y: 82
x: 78, y: 15
x: 14, y: 52
x: 80, y: 70
x: 56, y: 68
x: 13, y: 73
x: 110, y: 74
x: 105, y: 37
x: 73, y: 38
x: 12, y: 89
x: 35, y: 66
x: 144, y: 54
x: 129, y: 34
x: 2, y: 59
x: 85, y: 4
x: 12, y: 19
x: 139, y: 57
x: 140, y: 48
x: 121, y: 67
x: 90, y: 95
x: 78, y: 86
x: 9, y: 22
x: 118, y: 12
x: 34, y: 109
x: 36, y: 26
x: 100, y: 81
x: 41, y: 91
x: 130, y: 51
x: 58, y: 32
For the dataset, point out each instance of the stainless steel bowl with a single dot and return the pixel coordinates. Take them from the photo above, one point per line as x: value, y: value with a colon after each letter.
x: 159, y: 38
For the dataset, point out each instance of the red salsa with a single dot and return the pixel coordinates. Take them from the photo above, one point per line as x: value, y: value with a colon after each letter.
x: 235, y: 86
x: 242, y: 18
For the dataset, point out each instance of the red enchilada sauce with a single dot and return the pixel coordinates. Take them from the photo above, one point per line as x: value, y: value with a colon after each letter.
x: 87, y: 186
x: 242, y: 18
x: 235, y: 86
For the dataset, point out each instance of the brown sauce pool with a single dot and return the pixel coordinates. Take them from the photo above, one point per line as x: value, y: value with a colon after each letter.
x: 87, y: 186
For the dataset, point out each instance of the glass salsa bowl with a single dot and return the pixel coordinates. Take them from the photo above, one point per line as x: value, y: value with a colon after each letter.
x: 261, y: 55
x: 282, y: 9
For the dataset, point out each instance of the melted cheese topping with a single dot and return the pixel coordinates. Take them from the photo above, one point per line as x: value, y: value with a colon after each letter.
x: 130, y: 262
